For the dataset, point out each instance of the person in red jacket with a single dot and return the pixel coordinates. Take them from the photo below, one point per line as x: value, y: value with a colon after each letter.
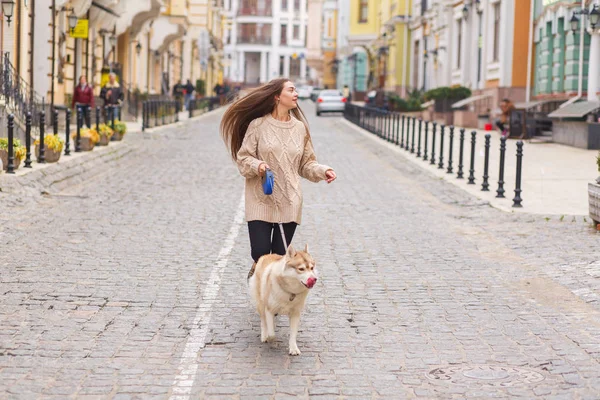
x: 83, y: 98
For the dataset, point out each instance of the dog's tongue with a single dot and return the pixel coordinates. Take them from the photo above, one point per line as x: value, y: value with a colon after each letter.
x: 310, y: 282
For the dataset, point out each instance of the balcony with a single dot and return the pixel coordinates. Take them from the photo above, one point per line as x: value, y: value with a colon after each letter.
x: 250, y: 33
x: 258, y: 8
x: 246, y: 39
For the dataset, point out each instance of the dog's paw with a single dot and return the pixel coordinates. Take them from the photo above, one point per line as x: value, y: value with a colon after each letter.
x: 270, y: 339
x: 294, y: 351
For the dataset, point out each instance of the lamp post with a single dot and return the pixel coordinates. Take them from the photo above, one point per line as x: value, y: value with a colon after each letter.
x: 594, y: 17
x: 8, y: 7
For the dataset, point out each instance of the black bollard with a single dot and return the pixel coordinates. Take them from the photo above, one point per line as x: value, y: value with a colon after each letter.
x: 450, y: 145
x: 432, y: 162
x: 460, y: 154
x: 397, y: 128
x: 425, y: 142
x: 78, y: 137
x: 98, y: 119
x: 517, y: 200
x: 500, y: 191
x: 402, y: 139
x: 42, y: 147
x: 191, y: 105
x: 28, y: 140
x: 112, y: 117
x: 412, y: 146
x: 472, y: 170
x: 164, y: 112
x: 88, y: 116
x: 10, y: 166
x: 419, y: 143
x: 55, y: 121
x: 441, y: 163
x: 68, y: 132
x: 407, y: 139
x: 177, y: 105
x: 119, y: 112
x: 155, y: 113
x: 485, y: 186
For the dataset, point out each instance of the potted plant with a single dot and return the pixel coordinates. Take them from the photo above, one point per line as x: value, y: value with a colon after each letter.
x: 89, y: 138
x: 105, y: 133
x: 18, y: 152
x: 53, y: 146
x: 594, y: 196
x: 120, y: 130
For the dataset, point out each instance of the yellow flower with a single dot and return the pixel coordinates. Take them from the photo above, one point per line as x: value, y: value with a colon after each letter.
x: 52, y: 142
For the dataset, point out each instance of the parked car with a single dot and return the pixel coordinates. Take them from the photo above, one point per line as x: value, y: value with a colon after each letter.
x: 330, y: 101
x: 314, y: 93
x: 304, y: 92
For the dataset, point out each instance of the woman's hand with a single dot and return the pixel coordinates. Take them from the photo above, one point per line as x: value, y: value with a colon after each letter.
x: 330, y: 174
x: 262, y: 168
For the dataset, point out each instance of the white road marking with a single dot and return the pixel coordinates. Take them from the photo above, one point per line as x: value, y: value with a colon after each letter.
x: 188, y: 365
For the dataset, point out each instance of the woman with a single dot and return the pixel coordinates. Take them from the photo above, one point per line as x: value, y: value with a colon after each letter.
x: 83, y: 98
x: 507, y: 107
x: 267, y: 130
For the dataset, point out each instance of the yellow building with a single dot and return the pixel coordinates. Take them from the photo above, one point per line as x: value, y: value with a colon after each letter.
x: 376, y: 52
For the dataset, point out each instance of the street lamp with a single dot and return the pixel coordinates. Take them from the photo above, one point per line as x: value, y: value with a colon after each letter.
x: 113, y: 40
x: 72, y: 21
x: 138, y: 48
x: 594, y: 17
x: 7, y: 9
x: 465, y: 12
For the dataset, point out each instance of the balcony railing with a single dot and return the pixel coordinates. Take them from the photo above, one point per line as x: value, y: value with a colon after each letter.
x: 265, y: 11
x: 250, y: 39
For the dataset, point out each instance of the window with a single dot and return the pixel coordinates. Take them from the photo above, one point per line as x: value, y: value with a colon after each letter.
x: 294, y: 67
x: 363, y: 11
x: 296, y: 32
x: 283, y: 35
x: 459, y: 47
x: 281, y: 65
x: 297, y: 6
x: 284, y: 5
x: 496, y: 31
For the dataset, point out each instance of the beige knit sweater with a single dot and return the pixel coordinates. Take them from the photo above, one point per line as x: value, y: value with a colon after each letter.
x: 286, y: 148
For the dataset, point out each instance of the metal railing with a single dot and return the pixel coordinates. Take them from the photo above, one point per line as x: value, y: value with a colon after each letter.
x: 19, y: 98
x: 200, y: 106
x: 413, y: 135
x: 159, y: 112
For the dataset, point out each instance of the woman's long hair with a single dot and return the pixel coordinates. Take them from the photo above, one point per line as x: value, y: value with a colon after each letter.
x: 258, y: 103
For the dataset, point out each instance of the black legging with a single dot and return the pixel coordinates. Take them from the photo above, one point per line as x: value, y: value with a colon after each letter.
x: 265, y: 237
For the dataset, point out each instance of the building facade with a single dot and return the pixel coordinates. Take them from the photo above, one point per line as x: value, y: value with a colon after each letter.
x: 265, y: 40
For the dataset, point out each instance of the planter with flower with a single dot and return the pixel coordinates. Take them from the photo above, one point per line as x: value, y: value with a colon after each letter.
x: 120, y: 130
x: 594, y: 196
x: 105, y: 133
x: 53, y: 146
x: 18, y: 153
x: 89, y: 138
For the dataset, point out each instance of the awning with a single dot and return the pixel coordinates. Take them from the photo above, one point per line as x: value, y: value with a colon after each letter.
x: 576, y: 110
x: 427, y: 104
x: 531, y: 104
x: 470, y: 100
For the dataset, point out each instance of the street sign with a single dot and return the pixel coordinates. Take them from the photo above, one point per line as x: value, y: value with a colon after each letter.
x: 81, y: 29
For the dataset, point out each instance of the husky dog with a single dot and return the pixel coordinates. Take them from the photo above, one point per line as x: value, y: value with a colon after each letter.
x: 280, y: 285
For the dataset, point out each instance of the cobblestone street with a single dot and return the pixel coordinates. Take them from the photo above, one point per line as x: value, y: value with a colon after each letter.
x: 123, y: 286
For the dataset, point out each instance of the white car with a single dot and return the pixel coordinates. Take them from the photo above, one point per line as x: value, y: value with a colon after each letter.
x: 304, y: 92
x: 330, y: 101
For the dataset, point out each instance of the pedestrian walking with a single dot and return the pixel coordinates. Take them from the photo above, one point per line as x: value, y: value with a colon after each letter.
x: 507, y: 107
x: 83, y: 98
x: 189, y: 93
x: 112, y: 95
x: 267, y: 131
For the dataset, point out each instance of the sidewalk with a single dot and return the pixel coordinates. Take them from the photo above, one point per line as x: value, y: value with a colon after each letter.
x: 554, y: 177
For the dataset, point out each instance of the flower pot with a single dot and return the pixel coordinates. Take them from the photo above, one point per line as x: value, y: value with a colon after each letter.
x: 86, y: 144
x: 594, y: 201
x: 117, y: 136
x: 4, y: 159
x: 104, y: 140
x: 50, y: 155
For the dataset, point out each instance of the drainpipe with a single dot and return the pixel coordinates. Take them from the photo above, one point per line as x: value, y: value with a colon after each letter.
x: 581, y: 44
x: 405, y: 50
x: 529, y: 52
x: 32, y: 49
x: 53, y: 49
